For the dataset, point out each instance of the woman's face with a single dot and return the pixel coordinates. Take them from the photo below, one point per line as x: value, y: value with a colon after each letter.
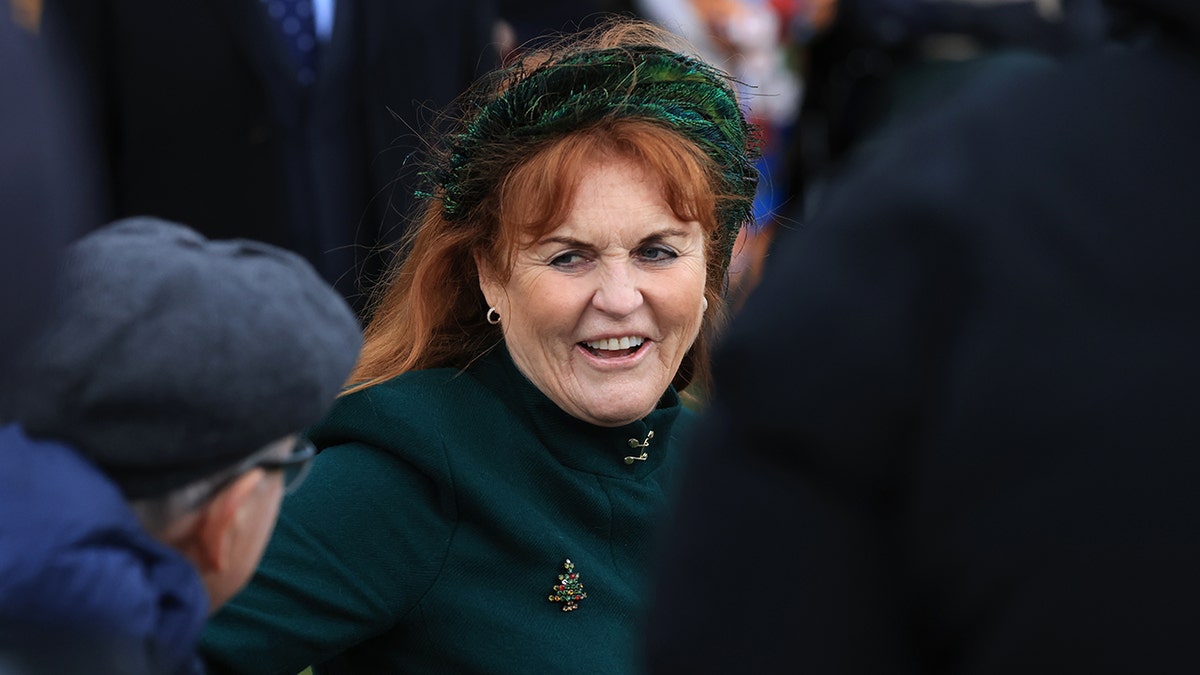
x: 599, y: 312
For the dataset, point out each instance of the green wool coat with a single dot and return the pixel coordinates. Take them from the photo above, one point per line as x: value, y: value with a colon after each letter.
x: 433, y: 528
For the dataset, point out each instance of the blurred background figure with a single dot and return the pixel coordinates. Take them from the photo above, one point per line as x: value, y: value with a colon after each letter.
x: 523, y: 21
x: 954, y: 427
x: 284, y: 121
x: 880, y: 62
x: 45, y: 193
x: 148, y: 437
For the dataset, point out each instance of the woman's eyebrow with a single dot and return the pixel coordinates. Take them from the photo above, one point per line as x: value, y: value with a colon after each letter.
x: 665, y: 234
x: 568, y: 241
x: 577, y: 243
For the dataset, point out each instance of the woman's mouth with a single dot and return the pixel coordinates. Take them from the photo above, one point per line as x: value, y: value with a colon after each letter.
x: 611, y: 348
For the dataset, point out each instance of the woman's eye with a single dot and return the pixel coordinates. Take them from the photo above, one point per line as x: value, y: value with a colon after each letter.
x: 570, y: 259
x: 656, y: 253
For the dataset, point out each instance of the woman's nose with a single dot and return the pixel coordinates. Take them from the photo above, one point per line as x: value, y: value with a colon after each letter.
x: 618, y: 293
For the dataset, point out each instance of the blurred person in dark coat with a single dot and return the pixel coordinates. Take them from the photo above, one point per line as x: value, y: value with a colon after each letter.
x: 954, y: 429
x: 881, y: 61
x: 207, y: 116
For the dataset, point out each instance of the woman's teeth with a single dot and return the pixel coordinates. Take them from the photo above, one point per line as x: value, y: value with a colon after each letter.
x: 613, y: 344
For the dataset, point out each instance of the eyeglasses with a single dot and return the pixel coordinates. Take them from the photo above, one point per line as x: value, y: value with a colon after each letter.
x: 294, y: 467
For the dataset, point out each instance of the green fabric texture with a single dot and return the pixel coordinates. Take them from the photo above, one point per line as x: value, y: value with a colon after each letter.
x: 433, y: 527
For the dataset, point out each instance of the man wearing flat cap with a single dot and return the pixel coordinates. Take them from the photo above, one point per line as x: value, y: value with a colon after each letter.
x: 152, y: 435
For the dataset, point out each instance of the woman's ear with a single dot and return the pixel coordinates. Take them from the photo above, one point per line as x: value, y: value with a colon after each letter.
x: 493, y: 290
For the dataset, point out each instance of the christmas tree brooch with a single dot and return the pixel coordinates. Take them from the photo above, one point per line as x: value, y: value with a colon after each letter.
x: 569, y: 589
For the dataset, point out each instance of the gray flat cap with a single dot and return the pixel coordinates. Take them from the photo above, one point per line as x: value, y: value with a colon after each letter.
x: 170, y: 357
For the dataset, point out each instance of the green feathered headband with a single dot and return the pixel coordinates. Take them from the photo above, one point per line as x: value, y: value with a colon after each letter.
x: 525, y: 106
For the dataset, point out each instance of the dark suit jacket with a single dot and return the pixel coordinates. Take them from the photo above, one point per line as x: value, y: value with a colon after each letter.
x: 955, y: 428
x: 202, y: 121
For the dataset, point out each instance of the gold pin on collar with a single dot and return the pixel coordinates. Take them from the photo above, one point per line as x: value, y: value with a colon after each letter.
x: 633, y: 443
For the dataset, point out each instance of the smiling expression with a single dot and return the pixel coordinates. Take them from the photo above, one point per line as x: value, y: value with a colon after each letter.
x: 599, y: 312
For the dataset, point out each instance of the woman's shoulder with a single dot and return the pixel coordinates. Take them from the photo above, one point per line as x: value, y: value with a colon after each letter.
x: 414, y: 384
x: 416, y: 406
